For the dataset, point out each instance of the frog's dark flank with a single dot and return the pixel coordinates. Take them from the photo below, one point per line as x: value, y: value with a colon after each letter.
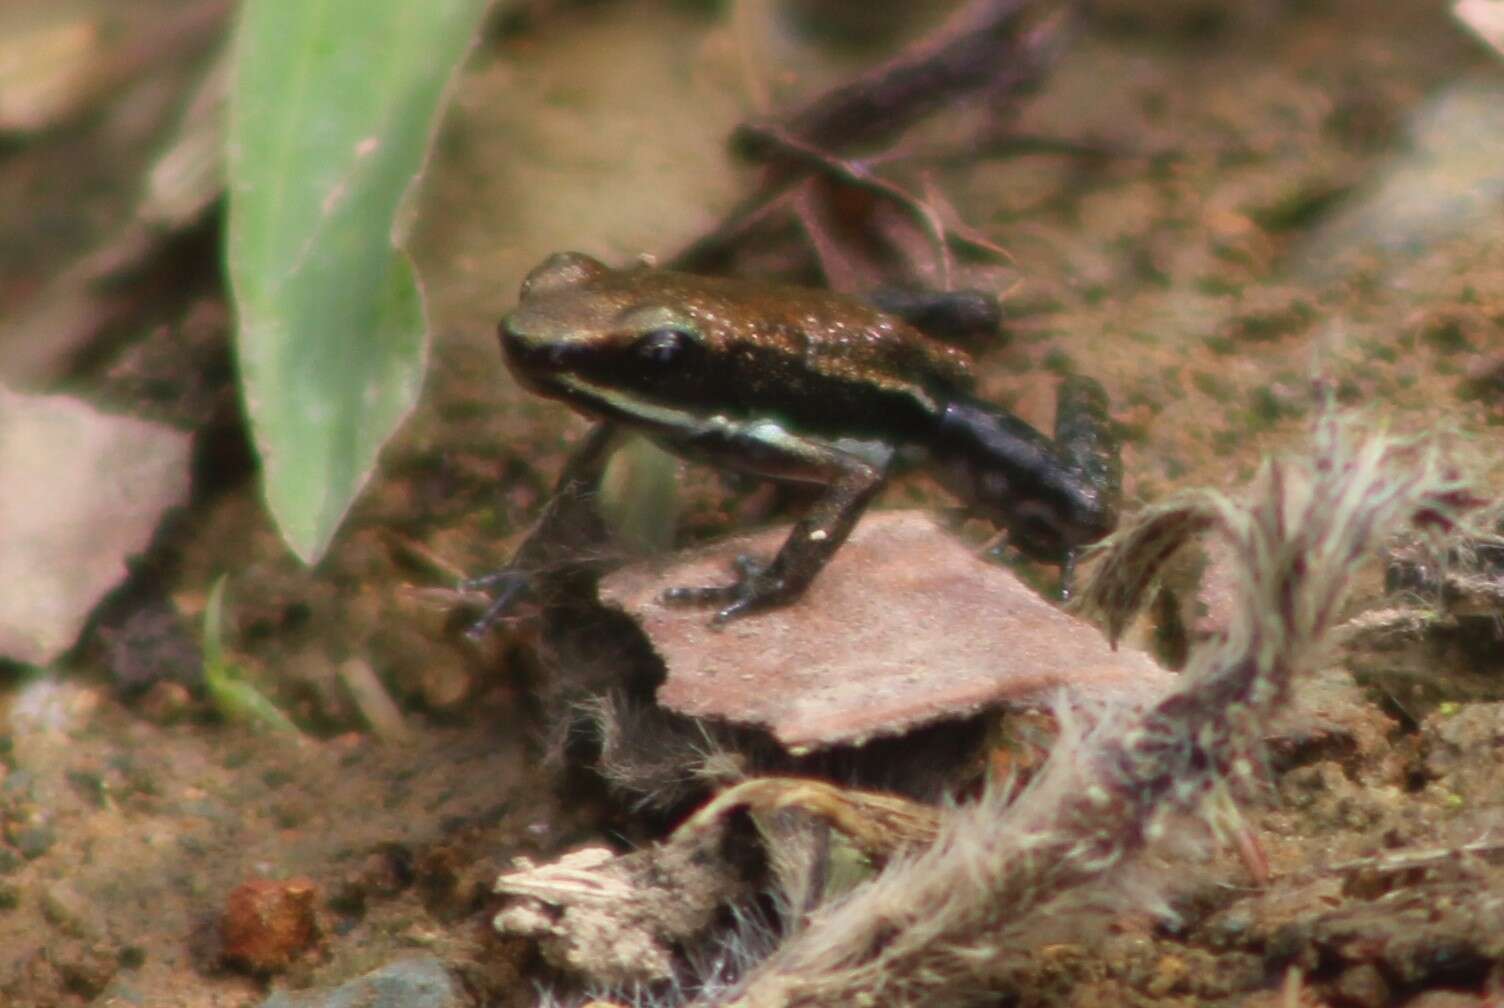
x: 806, y: 386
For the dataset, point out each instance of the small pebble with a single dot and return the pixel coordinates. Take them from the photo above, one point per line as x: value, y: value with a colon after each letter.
x: 268, y: 922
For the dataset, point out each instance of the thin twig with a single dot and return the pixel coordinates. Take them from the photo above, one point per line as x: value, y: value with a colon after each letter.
x: 981, y: 47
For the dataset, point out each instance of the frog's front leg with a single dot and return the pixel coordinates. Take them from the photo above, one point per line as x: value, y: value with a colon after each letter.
x: 564, y: 539
x: 852, y: 480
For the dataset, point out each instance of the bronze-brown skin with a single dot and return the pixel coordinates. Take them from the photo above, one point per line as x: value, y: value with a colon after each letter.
x: 792, y: 384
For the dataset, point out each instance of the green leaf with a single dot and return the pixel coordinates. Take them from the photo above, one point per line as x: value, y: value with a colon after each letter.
x: 332, y: 107
x: 640, y: 496
x: 213, y: 639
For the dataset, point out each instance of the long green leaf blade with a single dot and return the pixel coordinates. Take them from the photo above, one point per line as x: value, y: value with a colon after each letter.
x: 332, y: 107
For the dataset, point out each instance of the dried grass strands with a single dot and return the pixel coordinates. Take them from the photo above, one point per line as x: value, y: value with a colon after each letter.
x: 941, y: 926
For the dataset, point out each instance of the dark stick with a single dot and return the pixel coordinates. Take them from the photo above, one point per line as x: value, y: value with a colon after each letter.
x: 985, y: 46
x: 982, y: 47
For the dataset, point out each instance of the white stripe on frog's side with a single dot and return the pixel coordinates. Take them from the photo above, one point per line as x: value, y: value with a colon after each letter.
x: 614, y: 404
x: 875, y: 453
x: 762, y: 447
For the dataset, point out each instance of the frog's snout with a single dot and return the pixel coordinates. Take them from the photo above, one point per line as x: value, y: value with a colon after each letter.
x: 515, y: 346
x: 530, y: 359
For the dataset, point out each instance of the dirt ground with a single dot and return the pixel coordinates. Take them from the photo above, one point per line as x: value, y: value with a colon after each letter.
x: 1276, y: 191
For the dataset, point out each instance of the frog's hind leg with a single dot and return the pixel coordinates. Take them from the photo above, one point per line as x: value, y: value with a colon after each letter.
x: 1052, y: 496
x: 1090, y: 447
x: 1088, y: 442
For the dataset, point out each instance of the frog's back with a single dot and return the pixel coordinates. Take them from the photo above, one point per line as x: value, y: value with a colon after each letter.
x: 831, y: 333
x: 824, y: 360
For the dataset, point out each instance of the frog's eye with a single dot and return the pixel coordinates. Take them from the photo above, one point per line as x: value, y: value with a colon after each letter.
x: 664, y: 345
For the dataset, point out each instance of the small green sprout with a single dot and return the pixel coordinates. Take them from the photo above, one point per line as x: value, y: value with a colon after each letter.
x: 230, y: 692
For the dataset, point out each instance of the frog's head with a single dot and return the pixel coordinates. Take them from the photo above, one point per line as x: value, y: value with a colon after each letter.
x: 606, y: 341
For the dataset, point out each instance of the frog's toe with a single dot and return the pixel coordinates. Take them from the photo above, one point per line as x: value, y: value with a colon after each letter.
x: 506, y: 588
x: 756, y: 587
x: 749, y: 567
x: 747, y: 603
x: 495, y: 582
x: 1068, y: 575
x: 707, y: 595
